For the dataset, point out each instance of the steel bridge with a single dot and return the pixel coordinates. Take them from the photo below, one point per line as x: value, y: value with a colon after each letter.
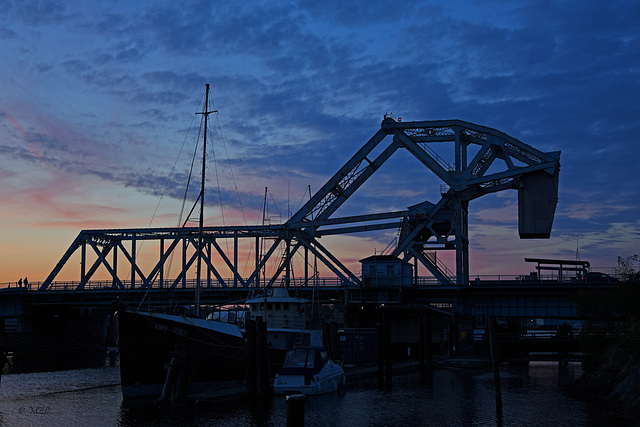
x: 482, y: 161
x: 497, y: 298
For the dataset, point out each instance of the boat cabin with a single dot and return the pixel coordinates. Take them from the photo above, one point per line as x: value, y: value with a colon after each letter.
x: 286, y: 318
x: 306, y: 361
x: 278, y: 309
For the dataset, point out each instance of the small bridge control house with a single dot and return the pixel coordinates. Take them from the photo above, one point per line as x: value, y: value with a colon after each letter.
x: 386, y: 271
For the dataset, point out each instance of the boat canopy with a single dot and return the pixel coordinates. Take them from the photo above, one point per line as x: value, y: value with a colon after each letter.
x: 306, y: 361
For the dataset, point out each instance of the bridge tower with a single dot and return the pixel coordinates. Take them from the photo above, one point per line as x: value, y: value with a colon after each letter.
x: 500, y: 163
x: 534, y: 174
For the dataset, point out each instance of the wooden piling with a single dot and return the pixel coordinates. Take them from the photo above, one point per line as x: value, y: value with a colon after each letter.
x: 251, y: 368
x: 421, y: 352
x: 426, y: 338
x: 295, y: 410
x: 330, y: 339
x: 335, y: 353
x: 326, y: 338
x: 495, y: 365
x: 380, y: 333
x: 262, y: 358
x: 387, y: 357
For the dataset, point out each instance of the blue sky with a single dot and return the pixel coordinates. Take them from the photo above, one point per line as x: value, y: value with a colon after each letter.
x: 96, y: 99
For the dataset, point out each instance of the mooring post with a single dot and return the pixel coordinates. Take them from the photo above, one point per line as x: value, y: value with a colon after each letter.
x: 563, y: 334
x: 456, y: 334
x: 330, y: 338
x: 295, y: 410
x: 387, y: 356
x: 428, y: 348
x: 262, y: 357
x: 493, y: 349
x: 333, y: 327
x: 252, y: 367
x: 421, y: 351
x: 379, y: 330
x: 326, y: 338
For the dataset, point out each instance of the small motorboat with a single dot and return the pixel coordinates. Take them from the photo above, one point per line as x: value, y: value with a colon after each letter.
x: 308, y: 370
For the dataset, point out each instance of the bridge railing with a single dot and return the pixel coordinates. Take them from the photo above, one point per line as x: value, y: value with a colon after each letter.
x: 107, y: 285
x: 422, y: 281
x: 532, y: 280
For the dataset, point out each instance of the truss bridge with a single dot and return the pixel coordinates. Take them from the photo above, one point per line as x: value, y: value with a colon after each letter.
x: 482, y: 161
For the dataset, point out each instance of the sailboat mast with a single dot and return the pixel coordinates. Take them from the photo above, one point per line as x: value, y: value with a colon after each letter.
x: 204, y: 159
x: 205, y: 113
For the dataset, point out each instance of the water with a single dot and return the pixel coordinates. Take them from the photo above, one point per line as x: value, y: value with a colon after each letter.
x: 531, y: 397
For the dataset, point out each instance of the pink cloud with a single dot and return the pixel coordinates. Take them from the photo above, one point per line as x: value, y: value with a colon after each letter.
x: 14, y: 122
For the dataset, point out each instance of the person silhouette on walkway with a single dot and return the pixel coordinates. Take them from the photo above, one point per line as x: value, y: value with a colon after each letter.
x: 26, y: 283
x: 20, y: 283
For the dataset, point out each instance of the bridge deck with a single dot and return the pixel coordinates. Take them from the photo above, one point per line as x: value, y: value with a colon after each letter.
x: 517, y: 298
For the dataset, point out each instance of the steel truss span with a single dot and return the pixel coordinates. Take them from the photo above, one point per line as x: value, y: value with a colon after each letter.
x: 484, y: 161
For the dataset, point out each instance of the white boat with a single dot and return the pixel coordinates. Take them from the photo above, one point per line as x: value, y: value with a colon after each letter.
x: 288, y: 323
x: 308, y: 370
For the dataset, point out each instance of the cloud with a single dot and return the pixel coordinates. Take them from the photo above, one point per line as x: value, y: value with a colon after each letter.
x: 40, y: 12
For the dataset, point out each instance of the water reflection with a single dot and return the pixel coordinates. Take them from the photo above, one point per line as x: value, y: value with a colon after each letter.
x: 531, y: 397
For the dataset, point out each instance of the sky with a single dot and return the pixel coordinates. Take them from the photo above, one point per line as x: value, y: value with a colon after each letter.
x: 96, y: 99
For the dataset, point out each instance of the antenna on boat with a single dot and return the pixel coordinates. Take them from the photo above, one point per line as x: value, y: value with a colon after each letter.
x: 205, y: 113
x: 261, y: 249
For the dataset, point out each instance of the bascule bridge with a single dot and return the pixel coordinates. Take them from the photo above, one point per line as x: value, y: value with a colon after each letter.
x: 485, y: 161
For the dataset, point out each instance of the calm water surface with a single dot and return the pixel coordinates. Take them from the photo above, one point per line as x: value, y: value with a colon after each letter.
x: 531, y: 397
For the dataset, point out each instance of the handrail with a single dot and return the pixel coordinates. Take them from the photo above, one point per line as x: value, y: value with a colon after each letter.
x: 496, y: 280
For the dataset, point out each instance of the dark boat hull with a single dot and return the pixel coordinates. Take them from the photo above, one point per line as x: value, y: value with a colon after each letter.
x: 214, y: 352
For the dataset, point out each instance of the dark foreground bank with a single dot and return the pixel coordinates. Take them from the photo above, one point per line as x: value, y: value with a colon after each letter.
x: 612, y: 391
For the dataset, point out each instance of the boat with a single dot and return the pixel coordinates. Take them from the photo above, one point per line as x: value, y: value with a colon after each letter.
x: 159, y: 352
x: 165, y: 356
x: 214, y: 349
x: 288, y: 324
x: 174, y: 356
x: 308, y: 370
